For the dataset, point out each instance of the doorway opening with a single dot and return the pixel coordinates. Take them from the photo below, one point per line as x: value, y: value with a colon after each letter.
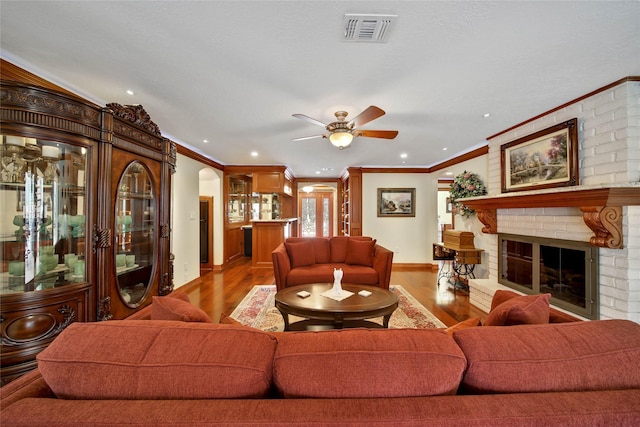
x: 206, y: 233
x: 316, y: 207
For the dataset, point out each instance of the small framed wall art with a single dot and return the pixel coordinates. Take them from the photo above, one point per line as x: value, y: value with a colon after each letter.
x: 397, y: 202
x: 545, y: 159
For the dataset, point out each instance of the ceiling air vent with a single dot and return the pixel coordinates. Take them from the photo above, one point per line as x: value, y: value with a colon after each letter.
x: 368, y: 28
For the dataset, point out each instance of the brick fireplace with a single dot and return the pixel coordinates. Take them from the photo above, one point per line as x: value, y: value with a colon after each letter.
x: 603, y: 208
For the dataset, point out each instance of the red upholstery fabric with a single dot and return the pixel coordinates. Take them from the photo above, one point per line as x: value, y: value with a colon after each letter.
x: 327, y: 250
x: 525, y: 309
x: 555, y: 316
x: 158, y: 360
x: 596, y: 355
x: 323, y: 273
x: 469, y: 323
x: 367, y: 363
x: 338, y: 246
x: 360, y: 252
x: 168, y: 308
x: 606, y: 408
x: 180, y: 294
x: 301, y: 253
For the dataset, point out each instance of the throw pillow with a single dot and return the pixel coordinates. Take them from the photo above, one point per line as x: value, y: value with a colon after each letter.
x: 163, y: 308
x: 360, y: 252
x: 526, y: 309
x: 180, y: 294
x: 301, y: 254
x: 469, y: 323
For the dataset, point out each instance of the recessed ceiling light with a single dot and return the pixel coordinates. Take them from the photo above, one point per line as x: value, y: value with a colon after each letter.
x: 403, y: 155
x: 449, y: 173
x: 444, y: 149
x: 486, y: 115
x: 254, y: 154
x: 317, y: 172
x: 130, y: 92
x: 206, y: 141
x: 327, y: 169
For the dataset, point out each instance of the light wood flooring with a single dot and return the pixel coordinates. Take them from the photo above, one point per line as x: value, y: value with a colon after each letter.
x: 219, y: 293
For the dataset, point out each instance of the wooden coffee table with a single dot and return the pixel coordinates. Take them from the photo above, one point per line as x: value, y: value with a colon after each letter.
x: 326, y: 313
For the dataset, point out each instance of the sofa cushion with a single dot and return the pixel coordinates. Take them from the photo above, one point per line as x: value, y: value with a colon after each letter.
x: 180, y: 294
x: 469, y: 323
x: 322, y: 250
x: 172, y: 308
x: 323, y: 273
x: 360, y: 252
x: 575, y: 356
x: 525, y: 309
x: 364, y: 363
x: 555, y: 316
x: 301, y: 253
x: 338, y: 245
x: 138, y: 359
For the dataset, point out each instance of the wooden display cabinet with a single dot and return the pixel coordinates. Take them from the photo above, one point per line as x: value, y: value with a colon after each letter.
x: 66, y: 181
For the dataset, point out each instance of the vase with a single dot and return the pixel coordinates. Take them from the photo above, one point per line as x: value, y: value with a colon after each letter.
x: 337, y: 282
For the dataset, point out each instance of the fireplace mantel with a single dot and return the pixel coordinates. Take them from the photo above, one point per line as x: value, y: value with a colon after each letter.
x: 601, y: 207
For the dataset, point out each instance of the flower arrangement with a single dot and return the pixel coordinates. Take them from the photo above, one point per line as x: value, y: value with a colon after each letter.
x: 466, y: 184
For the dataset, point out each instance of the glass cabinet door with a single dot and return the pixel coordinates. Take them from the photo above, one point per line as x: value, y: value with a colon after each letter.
x: 135, y: 238
x: 42, y: 214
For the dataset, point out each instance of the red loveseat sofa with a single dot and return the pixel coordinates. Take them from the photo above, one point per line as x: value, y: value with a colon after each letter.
x: 301, y: 260
x: 160, y: 372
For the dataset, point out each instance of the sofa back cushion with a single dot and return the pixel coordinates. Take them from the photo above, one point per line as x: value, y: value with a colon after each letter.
x: 574, y: 356
x: 138, y: 359
x: 339, y: 246
x: 360, y: 252
x: 301, y: 253
x: 364, y: 363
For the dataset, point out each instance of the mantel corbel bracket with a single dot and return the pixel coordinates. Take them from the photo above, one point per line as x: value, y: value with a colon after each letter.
x: 490, y: 220
x: 606, y: 223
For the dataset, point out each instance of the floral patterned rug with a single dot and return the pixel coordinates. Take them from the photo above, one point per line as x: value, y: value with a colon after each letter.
x: 258, y: 310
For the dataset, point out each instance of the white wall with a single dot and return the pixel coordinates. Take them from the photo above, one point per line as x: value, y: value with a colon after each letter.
x: 609, y: 154
x: 185, y: 225
x: 211, y: 186
x: 409, y: 238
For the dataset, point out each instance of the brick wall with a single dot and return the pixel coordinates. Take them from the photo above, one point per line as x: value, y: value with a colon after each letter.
x: 609, y: 153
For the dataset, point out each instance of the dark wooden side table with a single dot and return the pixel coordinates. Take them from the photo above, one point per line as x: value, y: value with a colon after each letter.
x: 322, y: 312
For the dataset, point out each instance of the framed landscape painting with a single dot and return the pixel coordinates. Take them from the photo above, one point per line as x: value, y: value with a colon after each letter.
x: 396, y: 202
x: 545, y: 159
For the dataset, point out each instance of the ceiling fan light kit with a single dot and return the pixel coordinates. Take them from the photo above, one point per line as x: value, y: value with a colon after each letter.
x: 341, y: 132
x: 341, y: 139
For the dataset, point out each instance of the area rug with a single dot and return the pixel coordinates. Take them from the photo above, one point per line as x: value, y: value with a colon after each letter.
x: 258, y: 310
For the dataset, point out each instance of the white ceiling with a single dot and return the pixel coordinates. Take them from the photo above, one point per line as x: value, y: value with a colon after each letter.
x: 233, y: 72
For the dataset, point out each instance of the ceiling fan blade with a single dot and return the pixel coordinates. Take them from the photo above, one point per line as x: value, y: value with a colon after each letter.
x: 304, y: 138
x: 386, y: 134
x: 310, y: 120
x: 366, y: 116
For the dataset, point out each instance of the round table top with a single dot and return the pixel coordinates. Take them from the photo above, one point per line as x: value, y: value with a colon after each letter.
x: 380, y: 299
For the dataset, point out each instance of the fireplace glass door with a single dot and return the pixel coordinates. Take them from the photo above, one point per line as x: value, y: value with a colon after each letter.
x: 565, y: 269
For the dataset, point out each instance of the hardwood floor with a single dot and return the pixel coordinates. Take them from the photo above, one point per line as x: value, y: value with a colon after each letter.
x: 219, y: 293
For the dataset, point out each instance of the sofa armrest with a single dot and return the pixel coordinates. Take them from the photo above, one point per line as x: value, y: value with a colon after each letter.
x: 382, y: 263
x: 281, y: 266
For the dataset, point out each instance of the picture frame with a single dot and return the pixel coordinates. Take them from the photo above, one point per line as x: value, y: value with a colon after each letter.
x: 544, y: 159
x: 396, y: 202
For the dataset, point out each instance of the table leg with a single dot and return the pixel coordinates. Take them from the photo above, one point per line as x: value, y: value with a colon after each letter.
x: 338, y: 321
x: 385, y: 320
x: 285, y: 317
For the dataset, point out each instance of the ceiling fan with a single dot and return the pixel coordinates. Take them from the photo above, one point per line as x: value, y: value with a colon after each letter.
x: 341, y: 132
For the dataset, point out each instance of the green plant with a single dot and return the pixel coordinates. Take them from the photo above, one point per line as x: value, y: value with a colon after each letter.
x: 467, y: 184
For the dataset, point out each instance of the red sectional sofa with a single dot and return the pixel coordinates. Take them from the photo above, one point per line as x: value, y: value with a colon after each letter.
x: 301, y: 260
x: 161, y: 372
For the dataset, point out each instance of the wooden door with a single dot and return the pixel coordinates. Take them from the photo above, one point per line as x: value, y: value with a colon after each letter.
x: 316, y: 214
x: 206, y: 233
